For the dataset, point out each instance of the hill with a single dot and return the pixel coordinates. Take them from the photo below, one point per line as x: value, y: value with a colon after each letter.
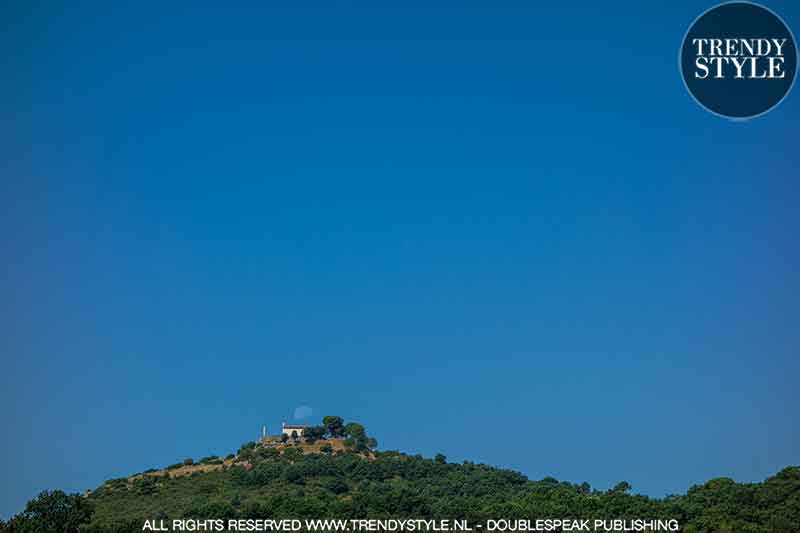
x: 341, y: 477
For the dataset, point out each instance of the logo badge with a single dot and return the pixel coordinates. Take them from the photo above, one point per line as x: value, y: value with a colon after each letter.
x: 738, y: 60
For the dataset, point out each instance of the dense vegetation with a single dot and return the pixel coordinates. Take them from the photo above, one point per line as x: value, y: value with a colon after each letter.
x: 359, y: 483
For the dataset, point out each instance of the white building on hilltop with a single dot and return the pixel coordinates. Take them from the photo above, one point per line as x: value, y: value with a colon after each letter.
x: 292, y: 431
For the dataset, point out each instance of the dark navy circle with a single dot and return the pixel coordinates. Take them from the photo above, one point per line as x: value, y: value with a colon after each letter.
x: 738, y: 60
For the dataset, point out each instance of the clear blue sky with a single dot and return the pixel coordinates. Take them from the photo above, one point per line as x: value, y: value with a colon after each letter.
x: 442, y: 222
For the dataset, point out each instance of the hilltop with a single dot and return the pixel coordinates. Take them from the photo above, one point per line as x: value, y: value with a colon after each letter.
x: 343, y: 476
x: 243, y: 459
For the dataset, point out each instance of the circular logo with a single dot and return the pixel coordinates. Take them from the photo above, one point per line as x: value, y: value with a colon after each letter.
x: 738, y: 60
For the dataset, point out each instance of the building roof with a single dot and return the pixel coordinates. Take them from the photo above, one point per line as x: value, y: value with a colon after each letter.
x: 294, y: 427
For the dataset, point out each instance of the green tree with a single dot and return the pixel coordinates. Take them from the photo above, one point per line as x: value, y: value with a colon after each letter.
x: 247, y: 446
x: 357, y: 439
x: 355, y: 430
x: 440, y: 458
x: 266, y: 453
x: 293, y: 454
x: 334, y: 425
x: 336, y: 486
x: 53, y: 511
x: 622, y: 487
x: 313, y: 434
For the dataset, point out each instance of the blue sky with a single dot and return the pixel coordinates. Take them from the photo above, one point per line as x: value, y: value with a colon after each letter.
x: 442, y: 221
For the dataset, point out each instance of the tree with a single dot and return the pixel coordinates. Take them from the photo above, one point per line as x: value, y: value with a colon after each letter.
x: 440, y: 458
x: 313, y: 434
x: 266, y: 453
x: 336, y: 485
x: 293, y: 454
x: 334, y: 425
x: 622, y: 487
x: 327, y: 449
x: 246, y: 454
x: 53, y: 511
x: 357, y: 439
x: 246, y: 446
x: 284, y: 438
x: 355, y: 430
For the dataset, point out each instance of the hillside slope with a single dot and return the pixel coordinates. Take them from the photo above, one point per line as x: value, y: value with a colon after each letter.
x: 338, y: 481
x: 346, y: 485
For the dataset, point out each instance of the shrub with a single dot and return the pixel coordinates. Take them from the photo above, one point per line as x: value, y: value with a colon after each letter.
x: 266, y: 453
x: 248, y: 446
x: 336, y: 486
x: 293, y: 454
x: 294, y: 475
